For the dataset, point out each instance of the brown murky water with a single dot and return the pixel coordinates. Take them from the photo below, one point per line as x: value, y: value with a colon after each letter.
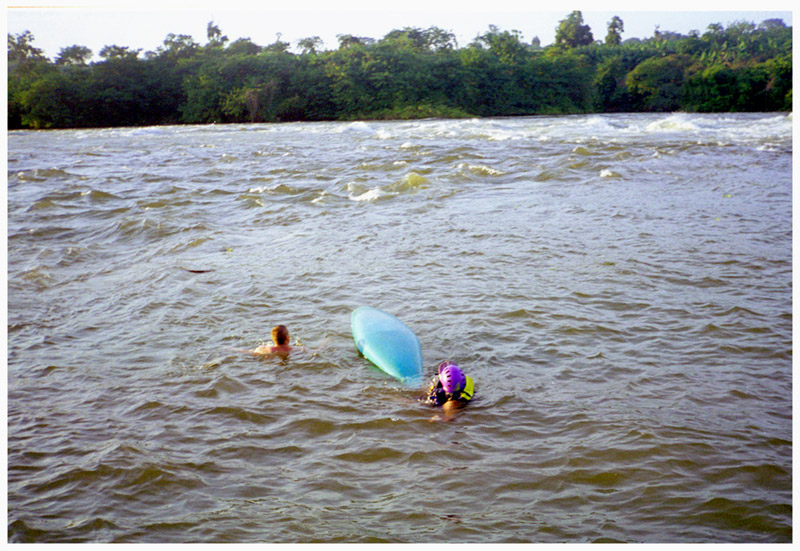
x: 619, y: 287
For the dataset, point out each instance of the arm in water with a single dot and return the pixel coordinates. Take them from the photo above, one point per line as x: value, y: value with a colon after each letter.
x: 449, y: 410
x: 281, y: 346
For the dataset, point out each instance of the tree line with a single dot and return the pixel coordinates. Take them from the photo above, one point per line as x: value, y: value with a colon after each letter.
x: 409, y: 73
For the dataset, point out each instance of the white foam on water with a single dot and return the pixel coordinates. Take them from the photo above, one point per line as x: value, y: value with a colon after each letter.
x: 572, y: 264
x: 673, y: 123
x: 481, y: 170
x: 371, y: 195
x: 357, y: 127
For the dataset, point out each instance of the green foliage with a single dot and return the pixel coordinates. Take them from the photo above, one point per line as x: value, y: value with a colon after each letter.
x: 612, y: 94
x: 215, y: 37
x: 658, y: 81
x: 26, y: 66
x: 118, y: 52
x: 177, y: 47
x: 432, y: 39
x: 507, y: 46
x: 310, y: 45
x: 74, y: 55
x: 761, y: 87
x: 615, y: 30
x: 409, y: 73
x: 571, y: 32
x: 21, y: 49
x: 55, y: 100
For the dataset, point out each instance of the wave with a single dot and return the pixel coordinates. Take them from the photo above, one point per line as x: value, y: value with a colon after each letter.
x: 44, y: 175
x: 410, y: 183
x: 617, y: 337
x: 672, y: 123
x: 359, y: 127
x: 479, y: 170
x: 606, y: 173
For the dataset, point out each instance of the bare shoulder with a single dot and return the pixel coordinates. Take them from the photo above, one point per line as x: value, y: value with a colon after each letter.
x: 266, y: 349
x: 263, y: 349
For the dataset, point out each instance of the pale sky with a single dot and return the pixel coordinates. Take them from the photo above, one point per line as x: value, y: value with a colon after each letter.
x: 145, y: 24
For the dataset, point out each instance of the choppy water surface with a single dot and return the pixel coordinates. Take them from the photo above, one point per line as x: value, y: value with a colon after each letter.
x: 619, y: 287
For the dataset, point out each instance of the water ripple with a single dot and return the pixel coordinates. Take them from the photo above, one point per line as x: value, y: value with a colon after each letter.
x: 619, y: 287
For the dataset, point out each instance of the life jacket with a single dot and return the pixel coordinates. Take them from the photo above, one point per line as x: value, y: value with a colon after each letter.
x: 468, y: 391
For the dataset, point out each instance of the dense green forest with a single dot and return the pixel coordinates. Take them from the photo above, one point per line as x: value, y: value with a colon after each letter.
x: 409, y: 73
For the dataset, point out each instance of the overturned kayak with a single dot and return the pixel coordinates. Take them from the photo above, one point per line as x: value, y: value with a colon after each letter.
x: 388, y: 343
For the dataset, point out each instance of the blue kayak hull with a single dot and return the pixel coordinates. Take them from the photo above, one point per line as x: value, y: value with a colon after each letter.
x: 386, y: 342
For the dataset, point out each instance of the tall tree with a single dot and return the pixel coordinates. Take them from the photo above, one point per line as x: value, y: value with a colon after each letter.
x: 178, y: 46
x: 243, y: 46
x: 21, y: 48
x: 615, y: 30
x: 349, y: 40
x: 430, y: 39
x: 439, y: 40
x: 571, y: 32
x: 310, y: 45
x: 278, y: 46
x: 215, y: 37
x: 118, y: 52
x: 770, y: 24
x: 505, y: 45
x: 73, y: 55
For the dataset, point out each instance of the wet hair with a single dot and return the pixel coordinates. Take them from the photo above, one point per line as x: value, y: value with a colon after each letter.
x: 280, y: 334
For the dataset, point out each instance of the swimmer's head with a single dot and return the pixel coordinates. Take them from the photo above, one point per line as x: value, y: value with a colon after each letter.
x: 280, y: 335
x: 452, y: 377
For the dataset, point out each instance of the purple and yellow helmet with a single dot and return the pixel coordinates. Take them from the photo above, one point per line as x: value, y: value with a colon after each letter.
x: 452, y: 377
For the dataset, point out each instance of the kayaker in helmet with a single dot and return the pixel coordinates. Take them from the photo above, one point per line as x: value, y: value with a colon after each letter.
x: 450, y: 389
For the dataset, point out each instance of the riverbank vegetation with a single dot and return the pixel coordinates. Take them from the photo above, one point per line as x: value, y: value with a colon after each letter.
x: 409, y: 73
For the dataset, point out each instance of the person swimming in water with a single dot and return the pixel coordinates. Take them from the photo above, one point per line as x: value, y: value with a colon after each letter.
x: 450, y: 389
x: 281, y: 346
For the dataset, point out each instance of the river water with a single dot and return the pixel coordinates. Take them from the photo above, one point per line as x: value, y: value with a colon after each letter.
x: 619, y: 287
